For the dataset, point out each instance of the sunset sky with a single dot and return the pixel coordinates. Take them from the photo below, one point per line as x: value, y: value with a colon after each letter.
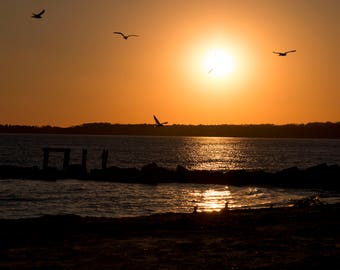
x: 194, y: 62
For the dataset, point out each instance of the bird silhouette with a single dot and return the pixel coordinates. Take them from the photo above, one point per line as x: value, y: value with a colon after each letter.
x: 284, y: 53
x: 159, y: 124
x: 38, y: 15
x: 125, y: 36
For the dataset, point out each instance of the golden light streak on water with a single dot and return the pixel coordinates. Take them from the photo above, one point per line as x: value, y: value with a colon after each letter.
x: 211, y: 200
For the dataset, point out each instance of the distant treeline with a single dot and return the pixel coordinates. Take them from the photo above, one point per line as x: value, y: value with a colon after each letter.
x: 310, y: 130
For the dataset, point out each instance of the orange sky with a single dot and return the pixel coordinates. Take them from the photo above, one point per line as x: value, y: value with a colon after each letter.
x: 69, y: 68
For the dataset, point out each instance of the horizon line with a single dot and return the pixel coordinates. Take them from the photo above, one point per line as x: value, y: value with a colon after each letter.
x: 169, y: 125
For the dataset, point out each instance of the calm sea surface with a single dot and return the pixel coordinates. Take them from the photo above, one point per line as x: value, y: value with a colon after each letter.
x: 24, y: 198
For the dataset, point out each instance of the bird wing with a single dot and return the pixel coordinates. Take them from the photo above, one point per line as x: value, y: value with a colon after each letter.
x: 41, y: 12
x: 156, y: 120
x: 290, y: 51
x: 119, y: 33
x: 277, y: 52
x: 132, y: 36
x: 164, y: 123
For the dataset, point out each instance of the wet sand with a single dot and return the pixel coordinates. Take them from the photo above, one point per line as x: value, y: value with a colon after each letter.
x: 278, y: 238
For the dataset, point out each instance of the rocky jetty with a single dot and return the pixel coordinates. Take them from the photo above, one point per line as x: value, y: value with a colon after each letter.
x: 322, y: 176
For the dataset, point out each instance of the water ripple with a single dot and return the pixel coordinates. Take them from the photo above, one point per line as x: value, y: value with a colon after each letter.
x: 35, y: 198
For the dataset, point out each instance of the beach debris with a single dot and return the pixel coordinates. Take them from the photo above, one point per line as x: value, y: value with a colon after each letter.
x: 225, y: 209
x: 308, y: 201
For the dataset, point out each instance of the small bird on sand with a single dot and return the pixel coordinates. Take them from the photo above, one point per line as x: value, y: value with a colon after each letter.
x: 38, y: 15
x: 125, y: 36
x: 159, y: 124
x: 284, y: 53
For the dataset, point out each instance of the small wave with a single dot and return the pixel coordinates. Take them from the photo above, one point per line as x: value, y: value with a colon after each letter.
x: 23, y: 199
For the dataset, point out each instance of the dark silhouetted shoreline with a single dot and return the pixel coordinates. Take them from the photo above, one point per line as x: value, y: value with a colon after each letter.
x: 310, y: 130
x: 274, y: 238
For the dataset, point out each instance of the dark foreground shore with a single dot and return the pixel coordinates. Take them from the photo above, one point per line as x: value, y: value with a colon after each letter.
x: 306, y: 237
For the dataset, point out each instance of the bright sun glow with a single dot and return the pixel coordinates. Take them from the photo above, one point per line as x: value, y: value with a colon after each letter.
x: 218, y: 63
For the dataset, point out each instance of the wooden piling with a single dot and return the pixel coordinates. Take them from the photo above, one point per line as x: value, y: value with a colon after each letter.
x: 67, y: 154
x: 105, y: 155
x: 84, y: 159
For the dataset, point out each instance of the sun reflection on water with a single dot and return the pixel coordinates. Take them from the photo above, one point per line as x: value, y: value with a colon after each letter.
x: 214, y: 153
x: 212, y: 200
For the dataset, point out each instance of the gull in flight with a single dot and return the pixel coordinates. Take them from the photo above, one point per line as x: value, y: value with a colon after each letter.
x: 159, y: 124
x: 284, y: 53
x: 38, y: 15
x: 125, y: 36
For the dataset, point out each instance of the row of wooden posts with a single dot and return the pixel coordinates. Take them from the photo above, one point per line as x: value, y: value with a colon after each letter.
x: 67, y: 155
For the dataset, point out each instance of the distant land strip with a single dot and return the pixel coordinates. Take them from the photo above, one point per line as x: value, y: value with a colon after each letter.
x: 309, y: 130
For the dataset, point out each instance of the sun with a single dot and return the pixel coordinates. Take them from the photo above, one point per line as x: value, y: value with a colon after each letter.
x: 218, y: 63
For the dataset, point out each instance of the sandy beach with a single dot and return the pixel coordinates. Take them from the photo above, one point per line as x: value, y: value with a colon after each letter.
x: 278, y: 238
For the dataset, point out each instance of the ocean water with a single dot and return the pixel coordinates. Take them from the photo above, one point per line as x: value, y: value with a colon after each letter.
x: 208, y: 153
x: 25, y: 198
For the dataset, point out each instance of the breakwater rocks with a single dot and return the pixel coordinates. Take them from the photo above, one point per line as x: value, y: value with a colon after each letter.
x: 321, y: 176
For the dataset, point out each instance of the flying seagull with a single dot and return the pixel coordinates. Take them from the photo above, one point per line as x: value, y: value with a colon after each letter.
x: 159, y: 124
x: 125, y: 36
x: 38, y: 15
x: 284, y: 53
